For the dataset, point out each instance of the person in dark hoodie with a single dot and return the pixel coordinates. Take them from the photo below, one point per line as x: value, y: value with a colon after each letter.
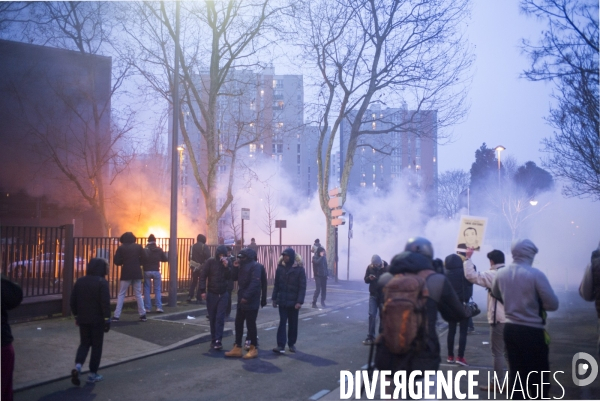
x: 589, y: 289
x: 319, y: 265
x: 90, y: 304
x: 526, y: 294
x: 288, y: 294
x: 417, y: 257
x: 217, y: 271
x: 372, y: 274
x: 129, y: 257
x: 249, y: 292
x: 464, y: 289
x: 153, y: 255
x: 12, y: 296
x: 199, y: 253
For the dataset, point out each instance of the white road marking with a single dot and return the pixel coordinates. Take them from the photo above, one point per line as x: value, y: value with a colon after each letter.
x: 308, y: 318
x: 319, y: 394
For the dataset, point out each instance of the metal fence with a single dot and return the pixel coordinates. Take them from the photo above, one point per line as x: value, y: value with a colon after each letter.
x: 34, y: 257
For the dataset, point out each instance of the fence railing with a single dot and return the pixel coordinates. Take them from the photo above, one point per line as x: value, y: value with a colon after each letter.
x: 34, y: 257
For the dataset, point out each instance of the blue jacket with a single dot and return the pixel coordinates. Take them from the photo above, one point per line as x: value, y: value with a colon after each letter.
x: 248, y: 276
x: 290, y: 281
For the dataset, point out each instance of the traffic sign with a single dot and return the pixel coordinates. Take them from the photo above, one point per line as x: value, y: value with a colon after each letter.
x: 338, y: 222
x: 245, y: 214
x: 338, y: 213
x: 335, y: 202
x: 334, y: 192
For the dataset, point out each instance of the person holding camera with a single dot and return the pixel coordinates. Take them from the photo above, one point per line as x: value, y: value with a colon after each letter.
x: 199, y: 253
x: 90, y: 304
x: 464, y: 289
x: 374, y: 270
x: 214, y: 279
x: 319, y: 262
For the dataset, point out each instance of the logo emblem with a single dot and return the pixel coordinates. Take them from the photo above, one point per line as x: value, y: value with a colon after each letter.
x: 581, y: 369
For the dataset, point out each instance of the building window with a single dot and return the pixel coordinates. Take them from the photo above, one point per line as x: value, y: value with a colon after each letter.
x: 252, y: 148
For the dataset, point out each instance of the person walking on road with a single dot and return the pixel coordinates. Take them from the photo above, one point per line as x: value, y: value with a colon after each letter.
x: 249, y: 292
x: 129, y: 257
x: 372, y: 274
x: 319, y: 265
x: 217, y: 272
x: 527, y: 295
x: 90, y: 304
x: 199, y: 253
x: 590, y: 285
x: 495, y: 309
x: 12, y: 296
x: 153, y: 255
x: 464, y: 290
x: 288, y: 294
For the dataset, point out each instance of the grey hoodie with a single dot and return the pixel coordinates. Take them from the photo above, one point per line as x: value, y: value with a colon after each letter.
x: 523, y: 288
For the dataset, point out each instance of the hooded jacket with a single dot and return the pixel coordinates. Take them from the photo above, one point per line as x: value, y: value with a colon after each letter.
x: 523, y: 289
x: 12, y: 296
x: 454, y: 271
x: 153, y: 255
x: 319, y: 264
x: 216, y: 274
x: 90, y: 299
x: 129, y: 257
x: 199, y: 253
x: 495, y: 308
x: 249, y: 281
x: 441, y: 298
x: 374, y: 288
x: 290, y: 281
x: 590, y: 285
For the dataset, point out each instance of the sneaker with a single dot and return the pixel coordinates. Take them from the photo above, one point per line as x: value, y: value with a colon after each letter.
x: 160, y: 311
x: 75, y: 376
x: 115, y: 319
x: 279, y: 350
x: 461, y: 361
x: 314, y: 305
x: 143, y: 318
x: 94, y: 377
x: 450, y: 359
x: 217, y: 345
x: 247, y: 345
x: 148, y: 310
x: 292, y: 349
x: 368, y: 341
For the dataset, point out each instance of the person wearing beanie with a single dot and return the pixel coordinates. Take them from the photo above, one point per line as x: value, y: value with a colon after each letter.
x: 320, y: 272
x: 526, y: 294
x: 90, y: 304
x: 216, y: 271
x: 129, y: 256
x: 315, y: 246
x: 288, y: 294
x: 374, y: 270
x: 153, y: 256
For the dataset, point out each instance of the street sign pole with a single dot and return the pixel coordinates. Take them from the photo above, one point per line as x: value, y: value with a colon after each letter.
x: 336, y: 254
x: 242, y: 233
x: 349, y: 237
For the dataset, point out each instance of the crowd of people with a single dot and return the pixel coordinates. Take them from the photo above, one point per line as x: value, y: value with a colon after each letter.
x: 519, y: 296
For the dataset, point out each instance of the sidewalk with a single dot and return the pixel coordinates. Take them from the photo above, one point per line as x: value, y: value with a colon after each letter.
x: 45, y: 349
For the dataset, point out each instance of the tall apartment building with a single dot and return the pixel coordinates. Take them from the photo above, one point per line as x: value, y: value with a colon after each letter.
x: 380, y: 158
x: 266, y: 112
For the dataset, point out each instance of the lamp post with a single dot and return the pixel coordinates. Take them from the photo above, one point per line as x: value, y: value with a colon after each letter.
x: 499, y: 149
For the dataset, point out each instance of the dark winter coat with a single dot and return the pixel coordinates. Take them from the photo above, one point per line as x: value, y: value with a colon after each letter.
x: 249, y: 282
x: 153, y: 255
x: 216, y: 274
x: 12, y: 295
x: 199, y: 253
x: 442, y: 298
x: 290, y: 281
x: 456, y: 275
x: 90, y: 299
x: 319, y: 264
x: 129, y: 257
x: 374, y: 288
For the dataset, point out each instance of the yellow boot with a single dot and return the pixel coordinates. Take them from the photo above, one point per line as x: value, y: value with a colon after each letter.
x: 236, y: 352
x: 252, y: 353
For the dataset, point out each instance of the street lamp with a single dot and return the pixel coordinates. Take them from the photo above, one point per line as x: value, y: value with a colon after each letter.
x: 499, y: 149
x: 533, y: 202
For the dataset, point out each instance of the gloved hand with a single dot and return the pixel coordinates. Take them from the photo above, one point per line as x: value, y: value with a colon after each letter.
x: 263, y: 303
x: 106, y: 326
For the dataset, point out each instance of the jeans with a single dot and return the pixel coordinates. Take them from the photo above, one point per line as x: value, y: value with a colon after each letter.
x: 250, y: 317
x: 498, y: 348
x: 289, y: 316
x: 527, y: 352
x: 321, y: 284
x: 195, y: 282
x: 216, y: 304
x: 91, y: 335
x: 228, y: 309
x: 137, y: 289
x: 462, y: 339
x: 156, y: 277
x: 374, y: 307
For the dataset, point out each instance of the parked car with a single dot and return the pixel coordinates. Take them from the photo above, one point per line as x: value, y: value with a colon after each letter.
x: 42, y: 265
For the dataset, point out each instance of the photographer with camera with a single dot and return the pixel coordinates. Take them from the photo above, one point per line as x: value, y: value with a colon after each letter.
x: 216, y: 272
x: 374, y: 270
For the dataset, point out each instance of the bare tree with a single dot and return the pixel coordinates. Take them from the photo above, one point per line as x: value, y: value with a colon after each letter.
x: 91, y: 142
x: 451, y: 184
x: 380, y: 52
x: 234, y: 224
x: 219, y: 40
x: 268, y: 222
x: 567, y: 54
